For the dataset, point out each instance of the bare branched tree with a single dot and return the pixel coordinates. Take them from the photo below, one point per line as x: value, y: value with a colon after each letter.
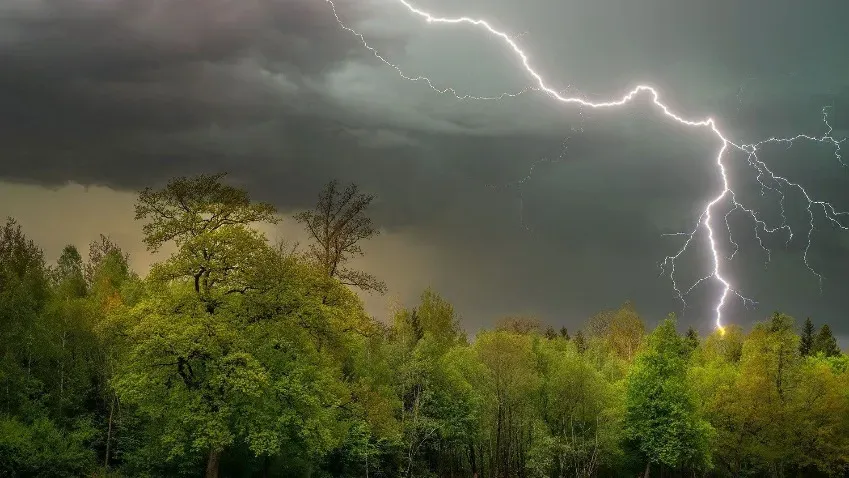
x: 338, y: 225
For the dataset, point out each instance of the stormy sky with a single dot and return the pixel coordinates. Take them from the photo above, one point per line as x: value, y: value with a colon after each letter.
x: 513, y: 207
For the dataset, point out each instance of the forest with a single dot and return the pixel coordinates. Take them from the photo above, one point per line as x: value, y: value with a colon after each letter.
x: 238, y: 357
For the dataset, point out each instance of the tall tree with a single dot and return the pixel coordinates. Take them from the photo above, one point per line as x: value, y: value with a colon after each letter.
x: 806, y: 341
x: 98, y: 252
x: 201, y: 349
x: 511, y: 361
x: 24, y: 291
x: 753, y: 412
x: 438, y: 317
x: 661, y: 415
x: 108, y: 275
x: 818, y: 413
x: 68, y: 273
x: 825, y: 343
x: 70, y: 335
x: 338, y: 224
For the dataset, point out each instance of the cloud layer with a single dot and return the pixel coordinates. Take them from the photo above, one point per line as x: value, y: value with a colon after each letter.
x: 129, y: 93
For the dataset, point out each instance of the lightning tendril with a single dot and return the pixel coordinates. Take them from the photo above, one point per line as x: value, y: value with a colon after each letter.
x: 519, y: 184
x: 708, y: 219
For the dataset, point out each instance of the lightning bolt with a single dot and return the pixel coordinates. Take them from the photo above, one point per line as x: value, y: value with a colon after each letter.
x: 706, y: 222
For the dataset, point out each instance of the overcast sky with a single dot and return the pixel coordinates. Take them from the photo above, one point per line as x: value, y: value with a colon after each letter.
x: 518, y: 206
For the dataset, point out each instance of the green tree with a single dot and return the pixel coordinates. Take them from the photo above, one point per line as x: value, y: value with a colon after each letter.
x: 825, y: 343
x: 436, y: 409
x: 223, y: 351
x: 338, y: 224
x: 752, y: 414
x: 661, y: 417
x: 724, y: 345
x: 818, y: 413
x: 511, y: 421
x: 622, y: 330
x: 100, y: 251
x: 45, y: 374
x: 24, y: 292
x: 110, y: 283
x: 68, y: 273
x: 806, y: 342
x: 71, y: 339
x: 581, y: 410
x: 564, y: 332
x: 438, y: 317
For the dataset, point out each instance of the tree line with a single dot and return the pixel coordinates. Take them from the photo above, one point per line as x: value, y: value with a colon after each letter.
x: 235, y: 356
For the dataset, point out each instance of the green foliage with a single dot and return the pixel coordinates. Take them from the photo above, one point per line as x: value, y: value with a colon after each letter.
x: 661, y: 415
x: 41, y: 448
x: 620, y: 330
x: 24, y: 292
x: 187, y: 208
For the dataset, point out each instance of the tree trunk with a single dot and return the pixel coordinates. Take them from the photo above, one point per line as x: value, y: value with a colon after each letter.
x: 472, y: 460
x: 109, y: 434
x: 648, y: 468
x: 62, y: 373
x: 212, y: 464
x: 498, y: 453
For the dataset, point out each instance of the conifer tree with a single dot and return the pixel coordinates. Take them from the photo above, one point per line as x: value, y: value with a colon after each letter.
x: 806, y: 342
x: 825, y: 343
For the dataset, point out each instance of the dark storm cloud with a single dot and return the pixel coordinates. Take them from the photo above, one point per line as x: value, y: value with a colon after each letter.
x: 101, y: 91
x: 121, y: 39
x: 83, y: 68
x: 129, y: 93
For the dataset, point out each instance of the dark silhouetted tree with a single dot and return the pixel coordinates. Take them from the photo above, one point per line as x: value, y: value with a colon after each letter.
x: 691, y: 339
x: 806, y: 341
x: 337, y: 225
x: 825, y: 343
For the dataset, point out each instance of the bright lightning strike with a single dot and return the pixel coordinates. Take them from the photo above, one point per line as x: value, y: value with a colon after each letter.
x: 707, y: 220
